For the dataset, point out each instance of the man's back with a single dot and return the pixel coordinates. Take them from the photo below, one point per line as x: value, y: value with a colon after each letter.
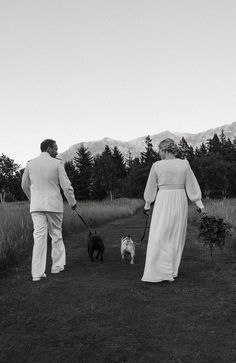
x: 43, y: 177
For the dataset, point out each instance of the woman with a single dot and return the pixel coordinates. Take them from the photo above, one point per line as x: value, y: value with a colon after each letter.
x: 174, y: 178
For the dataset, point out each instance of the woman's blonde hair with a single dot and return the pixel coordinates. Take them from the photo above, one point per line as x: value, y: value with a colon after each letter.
x: 168, y: 145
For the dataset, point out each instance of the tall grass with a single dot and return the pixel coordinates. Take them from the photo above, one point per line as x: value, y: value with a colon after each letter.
x: 97, y: 213
x: 15, y: 232
x: 16, y: 226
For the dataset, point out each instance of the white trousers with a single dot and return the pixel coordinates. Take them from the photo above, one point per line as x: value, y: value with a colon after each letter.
x: 44, y: 223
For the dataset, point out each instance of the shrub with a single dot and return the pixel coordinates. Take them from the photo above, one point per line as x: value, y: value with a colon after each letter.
x: 214, y: 232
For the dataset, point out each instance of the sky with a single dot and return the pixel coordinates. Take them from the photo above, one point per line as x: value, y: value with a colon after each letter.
x: 82, y: 70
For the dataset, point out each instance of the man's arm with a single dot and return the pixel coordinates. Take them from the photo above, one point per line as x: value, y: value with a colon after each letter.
x: 66, y: 186
x: 25, y: 182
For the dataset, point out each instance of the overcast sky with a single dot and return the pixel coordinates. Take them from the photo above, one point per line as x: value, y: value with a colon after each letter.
x: 79, y: 70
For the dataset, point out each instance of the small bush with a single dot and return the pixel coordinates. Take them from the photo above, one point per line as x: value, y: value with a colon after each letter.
x: 214, y: 232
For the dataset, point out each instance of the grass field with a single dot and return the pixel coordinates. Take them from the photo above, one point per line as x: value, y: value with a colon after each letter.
x: 102, y: 312
x: 16, y: 226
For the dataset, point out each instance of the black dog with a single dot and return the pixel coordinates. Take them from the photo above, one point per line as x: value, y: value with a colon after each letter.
x: 95, y: 243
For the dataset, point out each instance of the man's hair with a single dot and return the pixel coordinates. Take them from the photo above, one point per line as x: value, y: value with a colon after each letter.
x: 46, y: 143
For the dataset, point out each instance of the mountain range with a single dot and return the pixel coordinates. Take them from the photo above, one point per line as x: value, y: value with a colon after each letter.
x: 136, y: 146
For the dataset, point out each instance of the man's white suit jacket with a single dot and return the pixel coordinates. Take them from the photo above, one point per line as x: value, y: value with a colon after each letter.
x: 41, y: 182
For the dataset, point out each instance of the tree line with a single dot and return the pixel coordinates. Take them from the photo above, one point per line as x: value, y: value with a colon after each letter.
x: 111, y: 175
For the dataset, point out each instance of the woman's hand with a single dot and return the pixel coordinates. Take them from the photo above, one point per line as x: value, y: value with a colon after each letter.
x: 74, y: 206
x: 146, y: 212
x: 202, y: 211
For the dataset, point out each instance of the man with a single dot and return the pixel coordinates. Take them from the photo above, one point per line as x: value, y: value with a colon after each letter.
x: 41, y: 182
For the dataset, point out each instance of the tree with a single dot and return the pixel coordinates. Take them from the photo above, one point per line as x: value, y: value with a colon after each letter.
x: 136, y: 179
x: 83, y: 164
x: 120, y: 172
x: 214, y: 145
x: 73, y: 176
x: 119, y: 164
x: 70, y: 170
x: 10, y: 178
x: 185, y: 151
x: 149, y: 156
x: 108, y: 170
x: 104, y: 177
x: 99, y: 186
x: 222, y: 138
x: 201, y: 151
x: 227, y: 152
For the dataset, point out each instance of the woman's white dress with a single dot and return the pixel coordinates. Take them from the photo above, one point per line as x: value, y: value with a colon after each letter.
x: 174, y: 180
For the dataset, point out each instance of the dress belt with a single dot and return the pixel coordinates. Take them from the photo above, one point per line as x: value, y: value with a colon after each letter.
x: 171, y: 186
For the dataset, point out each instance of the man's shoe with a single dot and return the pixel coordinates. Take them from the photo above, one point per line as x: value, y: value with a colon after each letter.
x: 39, y: 278
x: 57, y: 270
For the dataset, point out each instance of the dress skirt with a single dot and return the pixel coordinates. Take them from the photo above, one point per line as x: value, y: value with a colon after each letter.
x: 166, y: 236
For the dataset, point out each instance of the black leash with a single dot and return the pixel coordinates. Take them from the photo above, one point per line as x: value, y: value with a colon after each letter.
x: 145, y: 229
x: 83, y: 220
x: 146, y: 223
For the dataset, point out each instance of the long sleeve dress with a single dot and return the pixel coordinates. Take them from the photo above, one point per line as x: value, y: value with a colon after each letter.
x: 169, y: 183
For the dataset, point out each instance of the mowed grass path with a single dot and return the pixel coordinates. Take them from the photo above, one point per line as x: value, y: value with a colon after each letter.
x: 102, y: 312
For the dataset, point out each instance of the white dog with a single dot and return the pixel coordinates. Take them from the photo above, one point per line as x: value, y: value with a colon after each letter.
x: 127, y: 247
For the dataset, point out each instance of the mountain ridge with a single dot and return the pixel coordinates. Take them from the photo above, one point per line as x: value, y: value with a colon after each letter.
x: 137, y: 145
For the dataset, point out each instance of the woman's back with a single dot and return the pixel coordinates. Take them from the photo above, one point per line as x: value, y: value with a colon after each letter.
x: 171, y: 171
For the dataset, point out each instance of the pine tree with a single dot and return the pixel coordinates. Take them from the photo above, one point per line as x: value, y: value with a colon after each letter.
x: 234, y: 143
x: 222, y: 137
x: 106, y: 177
x: 203, y: 149
x: 119, y: 163
x: 72, y: 175
x: 129, y: 160
x: 83, y: 163
x: 149, y: 156
x: 136, y: 180
x: 120, y: 172
x: 70, y: 171
x: 185, y: 151
x: 108, y: 170
x: 99, y: 187
x: 214, y: 145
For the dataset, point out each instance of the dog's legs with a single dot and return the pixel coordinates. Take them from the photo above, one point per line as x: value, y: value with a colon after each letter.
x: 97, y: 255
x: 90, y: 253
x: 132, y: 259
x: 101, y: 257
x: 91, y: 257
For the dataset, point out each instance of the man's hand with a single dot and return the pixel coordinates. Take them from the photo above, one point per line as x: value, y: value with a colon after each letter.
x: 146, y: 212
x: 74, y: 206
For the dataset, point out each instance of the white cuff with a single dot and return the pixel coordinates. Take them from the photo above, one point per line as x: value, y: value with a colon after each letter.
x: 147, y: 205
x: 199, y: 204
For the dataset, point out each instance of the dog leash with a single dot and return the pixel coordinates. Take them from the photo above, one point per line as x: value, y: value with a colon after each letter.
x: 145, y: 229
x: 83, y: 220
